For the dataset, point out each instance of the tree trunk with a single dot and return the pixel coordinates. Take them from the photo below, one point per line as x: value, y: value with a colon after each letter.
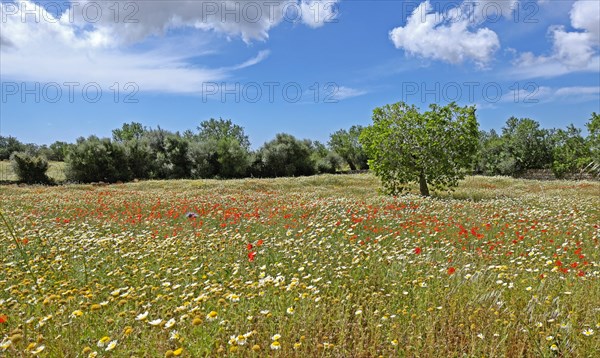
x: 351, y: 164
x: 423, y: 184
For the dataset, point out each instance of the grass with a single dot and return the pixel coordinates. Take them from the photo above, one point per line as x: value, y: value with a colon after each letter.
x: 56, y: 171
x: 324, y: 266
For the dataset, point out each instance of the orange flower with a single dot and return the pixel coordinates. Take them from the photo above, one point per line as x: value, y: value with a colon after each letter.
x: 451, y: 270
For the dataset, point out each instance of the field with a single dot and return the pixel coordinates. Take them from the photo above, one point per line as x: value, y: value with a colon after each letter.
x: 304, y: 267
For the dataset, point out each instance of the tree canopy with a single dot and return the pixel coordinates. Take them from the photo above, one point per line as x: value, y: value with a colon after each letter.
x: 434, y: 148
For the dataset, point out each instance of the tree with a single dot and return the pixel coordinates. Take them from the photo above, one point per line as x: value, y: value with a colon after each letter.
x: 58, y: 151
x: 527, y: 144
x: 285, y: 156
x: 347, y: 145
x: 30, y: 169
x: 593, y: 138
x: 222, y: 149
x: 218, y: 129
x: 128, y: 132
x: 94, y: 159
x: 9, y: 145
x: 570, y: 151
x: 431, y: 148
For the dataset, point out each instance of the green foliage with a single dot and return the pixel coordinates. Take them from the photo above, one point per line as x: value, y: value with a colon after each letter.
x: 97, y: 160
x: 178, y: 164
x: 326, y: 161
x: 347, y: 145
x: 224, y: 158
x: 285, y: 156
x: 593, y: 139
x: 140, y: 158
x: 30, y: 169
x: 58, y: 151
x: 128, y: 132
x: 218, y: 129
x: 221, y: 149
x: 527, y: 144
x: 570, y: 151
x: 432, y: 148
x: 9, y: 145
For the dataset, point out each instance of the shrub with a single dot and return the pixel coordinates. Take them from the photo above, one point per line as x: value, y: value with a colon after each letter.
x: 97, y: 160
x: 30, y: 169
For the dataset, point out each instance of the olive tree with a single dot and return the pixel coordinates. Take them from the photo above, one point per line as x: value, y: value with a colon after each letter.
x: 434, y: 148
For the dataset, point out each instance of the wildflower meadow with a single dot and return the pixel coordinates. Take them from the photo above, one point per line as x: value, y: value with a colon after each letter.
x: 300, y: 267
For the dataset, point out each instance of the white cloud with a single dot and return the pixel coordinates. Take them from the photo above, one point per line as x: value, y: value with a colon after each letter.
x: 490, y: 10
x: 316, y: 13
x: 93, y: 41
x: 343, y: 93
x: 446, y: 37
x: 572, y: 51
x: 544, y: 94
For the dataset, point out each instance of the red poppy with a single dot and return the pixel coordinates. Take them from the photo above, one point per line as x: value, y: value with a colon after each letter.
x: 451, y: 270
x: 580, y: 273
x: 251, y: 256
x: 3, y: 318
x: 259, y: 242
x: 249, y: 247
x: 418, y: 250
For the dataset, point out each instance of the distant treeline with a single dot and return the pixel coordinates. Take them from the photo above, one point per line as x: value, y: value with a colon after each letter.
x: 219, y: 148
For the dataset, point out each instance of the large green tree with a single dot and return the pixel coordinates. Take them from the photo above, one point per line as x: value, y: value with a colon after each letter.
x: 434, y: 148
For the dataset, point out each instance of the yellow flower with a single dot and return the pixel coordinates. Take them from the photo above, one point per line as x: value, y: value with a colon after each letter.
x: 95, y: 307
x: 169, y: 354
x: 275, y: 345
x: 178, y: 352
x: 211, y: 316
x: 290, y: 310
x: 197, y: 321
x: 86, y: 350
x: 77, y: 313
x: 127, y: 330
x: 256, y: 348
x: 297, y: 345
x: 394, y: 342
x: 103, y: 341
x: 276, y: 337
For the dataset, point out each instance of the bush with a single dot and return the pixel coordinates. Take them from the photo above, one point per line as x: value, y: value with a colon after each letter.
x: 30, y: 169
x: 97, y: 160
x: 285, y: 156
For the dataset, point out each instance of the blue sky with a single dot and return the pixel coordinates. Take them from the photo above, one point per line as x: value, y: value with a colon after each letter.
x: 537, y: 59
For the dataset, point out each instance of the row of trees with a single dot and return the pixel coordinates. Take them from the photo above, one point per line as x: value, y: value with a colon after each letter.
x: 524, y: 145
x: 218, y: 149
x: 57, y: 151
x: 413, y: 143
